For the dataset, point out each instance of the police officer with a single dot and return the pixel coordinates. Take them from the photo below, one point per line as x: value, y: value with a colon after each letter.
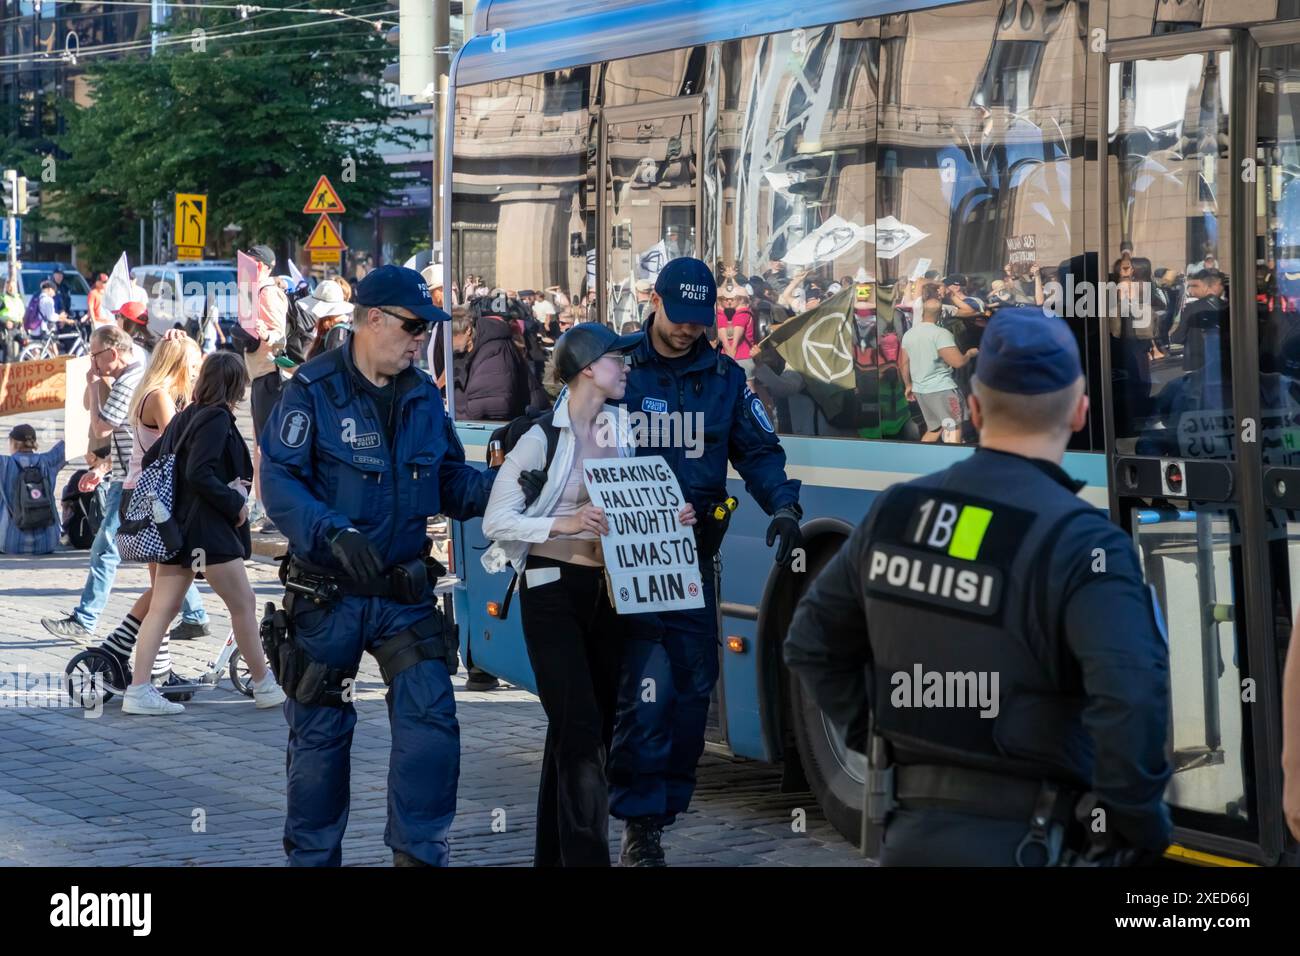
x: 988, y: 638
x: 677, y: 377
x: 358, y: 454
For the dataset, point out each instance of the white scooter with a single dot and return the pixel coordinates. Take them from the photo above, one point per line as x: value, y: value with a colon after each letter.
x: 94, y: 676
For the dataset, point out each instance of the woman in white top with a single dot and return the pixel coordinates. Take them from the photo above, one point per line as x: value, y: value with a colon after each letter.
x: 542, y: 522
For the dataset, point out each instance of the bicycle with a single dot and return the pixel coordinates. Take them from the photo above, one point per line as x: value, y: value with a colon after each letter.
x: 73, y: 344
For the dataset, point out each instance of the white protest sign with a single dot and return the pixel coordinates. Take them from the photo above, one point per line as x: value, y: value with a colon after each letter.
x: 649, y: 554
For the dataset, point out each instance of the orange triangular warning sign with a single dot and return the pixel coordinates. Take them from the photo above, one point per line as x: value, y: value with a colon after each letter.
x: 325, y: 235
x: 323, y: 198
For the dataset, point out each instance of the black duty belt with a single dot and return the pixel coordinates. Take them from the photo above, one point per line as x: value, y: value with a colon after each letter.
x: 410, y: 582
x: 981, y: 792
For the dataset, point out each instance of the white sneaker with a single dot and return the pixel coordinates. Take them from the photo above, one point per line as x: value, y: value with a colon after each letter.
x: 145, y: 699
x: 267, y: 693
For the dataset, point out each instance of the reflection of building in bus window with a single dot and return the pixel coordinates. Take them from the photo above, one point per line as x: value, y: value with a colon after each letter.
x: 520, y: 171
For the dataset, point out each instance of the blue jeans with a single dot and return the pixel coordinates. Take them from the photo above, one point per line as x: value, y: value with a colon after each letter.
x: 104, y: 560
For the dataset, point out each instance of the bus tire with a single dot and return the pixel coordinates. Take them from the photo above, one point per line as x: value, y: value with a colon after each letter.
x: 838, y: 792
x: 832, y: 772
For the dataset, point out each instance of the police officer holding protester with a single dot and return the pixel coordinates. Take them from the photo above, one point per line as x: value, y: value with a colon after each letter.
x: 675, y: 374
x: 357, y: 455
x: 987, y: 637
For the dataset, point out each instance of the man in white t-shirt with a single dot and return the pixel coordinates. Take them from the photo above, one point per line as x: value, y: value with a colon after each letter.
x: 926, y: 362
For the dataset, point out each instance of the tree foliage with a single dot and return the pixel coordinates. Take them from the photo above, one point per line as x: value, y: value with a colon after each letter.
x: 251, y: 120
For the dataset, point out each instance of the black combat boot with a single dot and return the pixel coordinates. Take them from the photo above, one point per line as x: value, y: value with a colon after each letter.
x: 405, y: 859
x: 641, y: 843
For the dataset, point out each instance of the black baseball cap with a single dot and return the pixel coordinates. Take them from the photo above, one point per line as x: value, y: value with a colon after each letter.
x: 689, y: 291
x: 401, y: 287
x: 23, y: 433
x: 588, y: 341
x: 264, y: 255
x: 1024, y: 352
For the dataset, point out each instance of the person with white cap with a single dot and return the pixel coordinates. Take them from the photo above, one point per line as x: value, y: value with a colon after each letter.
x: 331, y: 309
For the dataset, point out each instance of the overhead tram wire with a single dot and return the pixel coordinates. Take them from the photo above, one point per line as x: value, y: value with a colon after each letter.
x: 256, y: 10
x: 127, y: 47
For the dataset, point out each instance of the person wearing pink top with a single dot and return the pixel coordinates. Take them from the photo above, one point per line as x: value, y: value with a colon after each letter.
x: 268, y: 381
x: 735, y: 324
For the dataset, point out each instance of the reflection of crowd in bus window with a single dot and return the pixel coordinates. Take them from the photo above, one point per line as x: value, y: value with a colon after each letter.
x: 929, y: 357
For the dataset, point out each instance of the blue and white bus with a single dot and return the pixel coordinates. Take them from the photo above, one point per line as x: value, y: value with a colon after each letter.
x: 977, y: 145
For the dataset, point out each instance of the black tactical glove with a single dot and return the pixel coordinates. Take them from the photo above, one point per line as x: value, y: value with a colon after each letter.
x: 357, y: 555
x: 532, y: 482
x: 786, y: 524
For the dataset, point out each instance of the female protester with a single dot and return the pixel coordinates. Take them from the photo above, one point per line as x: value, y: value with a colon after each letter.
x: 329, y: 306
x: 29, y: 512
x: 133, y: 318
x: 164, y: 390
x: 213, y: 475
x: 573, y: 636
x: 736, y: 325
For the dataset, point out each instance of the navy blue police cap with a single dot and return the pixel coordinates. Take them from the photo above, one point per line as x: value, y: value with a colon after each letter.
x: 399, y: 287
x: 690, y: 295
x: 586, y: 342
x: 1026, y: 352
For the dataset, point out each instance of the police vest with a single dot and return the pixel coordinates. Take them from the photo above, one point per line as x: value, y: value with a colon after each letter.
x: 961, y: 625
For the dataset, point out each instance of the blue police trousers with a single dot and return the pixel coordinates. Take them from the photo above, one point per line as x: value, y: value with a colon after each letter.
x: 663, y: 705
x: 424, y: 763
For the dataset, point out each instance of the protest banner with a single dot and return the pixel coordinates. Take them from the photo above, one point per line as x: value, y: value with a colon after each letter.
x: 33, y: 386
x: 649, y: 555
x: 76, y: 408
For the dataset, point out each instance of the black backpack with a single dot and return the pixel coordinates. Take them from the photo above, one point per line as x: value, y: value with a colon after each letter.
x: 82, y: 512
x: 508, y: 435
x: 31, y: 505
x: 299, y: 330
x: 241, y: 341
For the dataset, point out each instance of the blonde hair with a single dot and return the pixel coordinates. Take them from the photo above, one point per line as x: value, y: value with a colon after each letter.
x: 346, y: 286
x: 169, y: 369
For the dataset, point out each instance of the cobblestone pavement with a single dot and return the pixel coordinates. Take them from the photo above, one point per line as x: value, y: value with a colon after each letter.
x: 207, y: 787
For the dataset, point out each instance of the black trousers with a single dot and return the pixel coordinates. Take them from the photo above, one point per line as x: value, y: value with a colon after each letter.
x: 575, y: 643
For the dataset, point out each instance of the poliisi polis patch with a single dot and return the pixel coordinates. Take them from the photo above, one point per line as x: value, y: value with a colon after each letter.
x: 294, y: 428
x: 939, y: 547
x: 655, y: 405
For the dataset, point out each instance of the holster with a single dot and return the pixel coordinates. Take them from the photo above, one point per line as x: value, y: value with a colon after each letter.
x: 306, y: 680
x: 879, y: 796
x: 709, y: 532
x: 428, y: 639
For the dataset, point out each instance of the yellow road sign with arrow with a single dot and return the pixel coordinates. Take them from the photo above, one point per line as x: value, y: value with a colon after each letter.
x: 191, y: 225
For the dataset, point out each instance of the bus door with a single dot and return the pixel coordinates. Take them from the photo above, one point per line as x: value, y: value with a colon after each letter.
x: 1197, y: 421
x: 650, y: 197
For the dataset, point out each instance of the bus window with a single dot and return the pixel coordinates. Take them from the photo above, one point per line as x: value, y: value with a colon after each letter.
x: 520, y: 169
x: 797, y: 154
x: 1167, y: 307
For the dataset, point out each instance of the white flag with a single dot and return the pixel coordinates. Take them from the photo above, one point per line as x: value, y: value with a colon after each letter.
x: 118, y: 291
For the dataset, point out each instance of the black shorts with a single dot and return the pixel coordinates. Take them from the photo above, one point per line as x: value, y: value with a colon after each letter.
x: 264, y: 393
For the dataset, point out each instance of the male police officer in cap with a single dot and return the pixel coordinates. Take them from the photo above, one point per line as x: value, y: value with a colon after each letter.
x: 357, y: 456
x: 675, y: 375
x: 989, y: 638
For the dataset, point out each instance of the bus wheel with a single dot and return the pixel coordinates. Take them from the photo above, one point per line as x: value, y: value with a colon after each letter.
x: 835, y: 774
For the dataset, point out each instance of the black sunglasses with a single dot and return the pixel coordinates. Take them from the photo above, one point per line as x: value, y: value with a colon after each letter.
x: 412, y: 327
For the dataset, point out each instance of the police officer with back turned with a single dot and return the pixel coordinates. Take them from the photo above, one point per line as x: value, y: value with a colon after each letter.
x: 357, y: 456
x: 677, y: 376
x: 987, y: 638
